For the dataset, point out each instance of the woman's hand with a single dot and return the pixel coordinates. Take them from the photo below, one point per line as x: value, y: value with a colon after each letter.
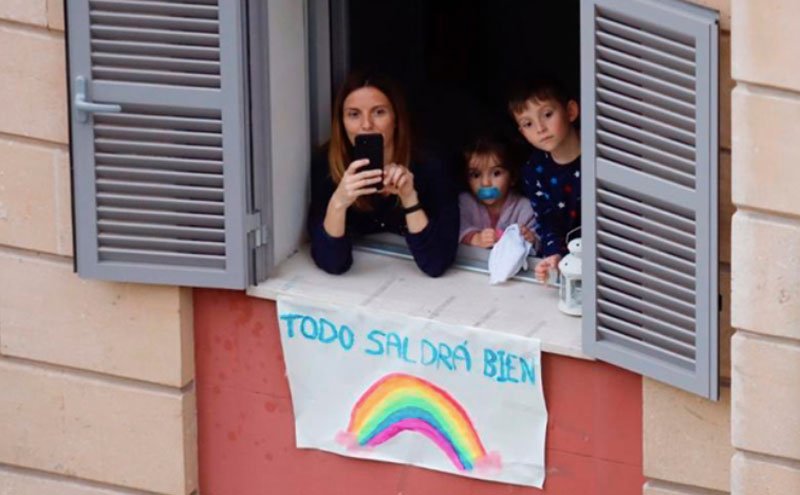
x: 542, y: 269
x: 486, y: 238
x: 355, y: 184
x: 399, y: 180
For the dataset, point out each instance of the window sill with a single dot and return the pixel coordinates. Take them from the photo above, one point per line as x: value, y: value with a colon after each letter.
x: 459, y: 297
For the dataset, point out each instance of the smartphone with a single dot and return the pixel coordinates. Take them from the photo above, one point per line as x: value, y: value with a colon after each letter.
x: 370, y: 146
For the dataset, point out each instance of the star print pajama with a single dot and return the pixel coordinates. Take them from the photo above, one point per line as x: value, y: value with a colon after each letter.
x: 555, y: 194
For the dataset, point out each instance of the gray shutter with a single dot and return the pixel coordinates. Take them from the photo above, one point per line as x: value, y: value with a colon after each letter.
x: 649, y: 137
x: 160, y: 183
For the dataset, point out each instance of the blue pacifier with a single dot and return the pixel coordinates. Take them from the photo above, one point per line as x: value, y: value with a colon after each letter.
x: 488, y: 193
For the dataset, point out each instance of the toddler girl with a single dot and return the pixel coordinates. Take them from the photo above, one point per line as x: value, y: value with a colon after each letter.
x: 491, y: 206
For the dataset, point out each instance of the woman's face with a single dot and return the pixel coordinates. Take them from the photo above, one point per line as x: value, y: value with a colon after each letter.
x: 368, y: 110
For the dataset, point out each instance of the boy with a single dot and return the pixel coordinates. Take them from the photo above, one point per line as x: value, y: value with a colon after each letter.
x: 551, y: 177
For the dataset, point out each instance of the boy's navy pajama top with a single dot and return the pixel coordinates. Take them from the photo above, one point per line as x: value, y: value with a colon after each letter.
x: 433, y: 249
x: 555, y: 194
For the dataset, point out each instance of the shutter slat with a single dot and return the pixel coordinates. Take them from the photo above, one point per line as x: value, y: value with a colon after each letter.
x: 155, y: 76
x: 645, y: 307
x: 660, y: 297
x: 650, y: 152
x: 648, y: 166
x: 170, y: 22
x: 646, y: 266
x: 156, y: 49
x: 173, y: 231
x: 161, y: 243
x: 155, y: 175
x: 648, y: 72
x: 653, y: 97
x: 656, y: 56
x: 651, y: 226
x: 646, y: 348
x: 653, y: 140
x: 172, y: 64
x: 141, y: 256
x: 161, y: 122
x: 646, y: 238
x: 154, y: 189
x: 669, y: 218
x: 644, y: 81
x: 642, y: 279
x: 613, y: 240
x: 100, y: 31
x: 163, y: 135
x: 161, y: 216
x: 165, y: 8
x: 669, y: 45
x: 637, y: 120
x: 171, y: 204
x: 640, y: 319
x: 160, y: 162
x: 656, y: 338
x: 158, y: 149
x: 644, y: 108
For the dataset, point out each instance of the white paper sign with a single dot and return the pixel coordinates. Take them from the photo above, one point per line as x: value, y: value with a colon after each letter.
x: 393, y: 388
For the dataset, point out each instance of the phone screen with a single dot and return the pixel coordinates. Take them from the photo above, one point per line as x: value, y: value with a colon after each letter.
x: 370, y: 146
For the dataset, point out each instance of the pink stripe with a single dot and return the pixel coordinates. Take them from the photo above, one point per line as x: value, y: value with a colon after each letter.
x: 419, y: 426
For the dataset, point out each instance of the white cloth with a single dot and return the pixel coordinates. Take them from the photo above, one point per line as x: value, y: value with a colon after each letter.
x: 509, y: 255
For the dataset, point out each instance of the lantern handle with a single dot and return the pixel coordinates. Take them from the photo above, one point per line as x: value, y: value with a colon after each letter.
x: 578, y: 229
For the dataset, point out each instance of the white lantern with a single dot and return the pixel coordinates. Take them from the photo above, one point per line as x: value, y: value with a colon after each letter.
x: 570, y: 292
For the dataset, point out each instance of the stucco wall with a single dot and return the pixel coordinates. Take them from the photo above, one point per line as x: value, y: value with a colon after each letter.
x: 97, y: 378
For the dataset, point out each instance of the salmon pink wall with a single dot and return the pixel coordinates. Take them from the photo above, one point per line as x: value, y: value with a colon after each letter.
x: 246, y: 426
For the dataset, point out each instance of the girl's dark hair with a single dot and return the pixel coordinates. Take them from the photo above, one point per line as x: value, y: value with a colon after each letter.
x: 485, y: 146
x: 340, y: 150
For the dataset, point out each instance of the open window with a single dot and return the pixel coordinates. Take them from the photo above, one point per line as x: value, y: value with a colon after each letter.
x: 192, y: 122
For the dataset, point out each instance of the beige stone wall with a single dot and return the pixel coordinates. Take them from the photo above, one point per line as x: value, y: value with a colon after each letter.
x: 96, y: 378
x: 687, y: 440
x: 766, y: 247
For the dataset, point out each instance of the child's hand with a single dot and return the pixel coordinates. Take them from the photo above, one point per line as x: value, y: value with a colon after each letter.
x: 542, y: 270
x: 527, y: 234
x: 486, y: 238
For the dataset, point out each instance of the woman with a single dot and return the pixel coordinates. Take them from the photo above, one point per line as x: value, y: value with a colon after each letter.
x: 417, y: 200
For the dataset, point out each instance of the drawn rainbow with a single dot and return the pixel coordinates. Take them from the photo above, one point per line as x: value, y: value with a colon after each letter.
x: 400, y: 402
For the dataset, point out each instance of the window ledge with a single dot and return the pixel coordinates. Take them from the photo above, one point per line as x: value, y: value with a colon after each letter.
x: 459, y: 297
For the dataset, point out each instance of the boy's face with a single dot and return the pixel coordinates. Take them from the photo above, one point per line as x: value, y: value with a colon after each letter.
x: 486, y: 172
x: 546, y: 123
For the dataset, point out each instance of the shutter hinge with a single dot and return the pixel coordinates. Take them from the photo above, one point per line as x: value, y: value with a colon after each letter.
x: 259, y: 230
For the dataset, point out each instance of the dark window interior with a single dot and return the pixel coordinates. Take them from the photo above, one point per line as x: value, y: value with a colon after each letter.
x: 457, y: 58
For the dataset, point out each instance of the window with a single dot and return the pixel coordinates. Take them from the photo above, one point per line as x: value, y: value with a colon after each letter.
x: 191, y: 125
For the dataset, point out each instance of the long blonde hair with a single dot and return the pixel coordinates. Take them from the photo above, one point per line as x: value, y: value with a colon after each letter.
x: 340, y: 151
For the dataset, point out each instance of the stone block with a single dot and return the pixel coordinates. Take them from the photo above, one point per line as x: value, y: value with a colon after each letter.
x: 63, y: 194
x: 725, y: 328
x: 766, y: 149
x: 686, y: 438
x: 765, y: 291
x: 726, y: 207
x: 86, y: 427
x: 20, y: 482
x: 55, y: 15
x: 33, y: 87
x: 726, y: 84
x: 49, y: 314
x: 754, y: 474
x: 655, y: 487
x: 766, y: 395
x: 33, y: 12
x: 28, y: 196
x: 765, y: 40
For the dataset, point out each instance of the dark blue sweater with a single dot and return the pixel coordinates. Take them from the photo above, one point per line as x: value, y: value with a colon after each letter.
x: 555, y: 194
x: 433, y: 248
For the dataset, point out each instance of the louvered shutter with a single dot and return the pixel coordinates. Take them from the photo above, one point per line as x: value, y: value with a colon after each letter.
x: 649, y: 186
x: 161, y: 193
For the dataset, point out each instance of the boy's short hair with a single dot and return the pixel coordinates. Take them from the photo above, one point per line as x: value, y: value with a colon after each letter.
x: 539, y: 88
x: 487, y: 145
